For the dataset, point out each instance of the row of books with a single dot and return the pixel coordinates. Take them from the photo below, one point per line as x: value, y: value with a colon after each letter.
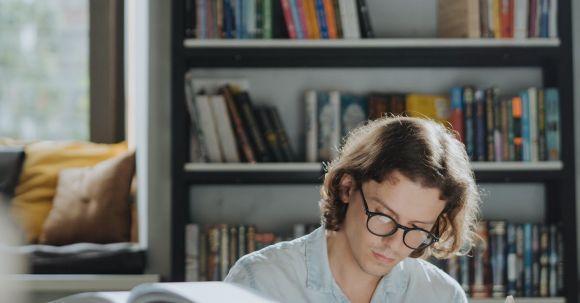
x: 498, y: 18
x: 227, y: 127
x: 266, y: 19
x: 525, y: 127
x: 524, y: 260
x: 212, y: 250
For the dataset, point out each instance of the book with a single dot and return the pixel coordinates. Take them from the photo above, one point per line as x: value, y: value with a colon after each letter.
x: 175, y: 292
x: 458, y: 19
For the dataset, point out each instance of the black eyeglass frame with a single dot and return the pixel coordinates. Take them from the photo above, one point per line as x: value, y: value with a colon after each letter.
x: 398, y: 226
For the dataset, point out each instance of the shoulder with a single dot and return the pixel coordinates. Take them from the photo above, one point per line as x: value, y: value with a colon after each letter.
x: 279, y: 261
x: 425, y: 275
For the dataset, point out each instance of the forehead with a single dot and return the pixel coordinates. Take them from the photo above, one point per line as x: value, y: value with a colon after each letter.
x: 408, y: 199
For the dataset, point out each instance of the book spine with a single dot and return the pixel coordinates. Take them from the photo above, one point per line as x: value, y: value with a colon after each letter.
x: 553, y: 19
x: 552, y: 99
x: 533, y: 122
x: 338, y: 19
x: 247, y: 111
x: 322, y: 23
x: 296, y: 20
x: 364, y: 19
x: 517, y: 127
x: 224, y: 251
x: 468, y: 97
x: 311, y: 125
x: 497, y: 231
x: 289, y: 20
x: 214, y: 154
x: 541, y: 117
x: 544, y: 23
x: 528, y: 261
x: 268, y: 16
x: 241, y: 135
x: 239, y: 13
x: 301, y: 10
x: 259, y: 12
x: 224, y: 129
x: 192, y: 252
x: 497, y: 127
x: 521, y: 19
x: 526, y: 136
x: 457, y: 118
x: 335, y: 139
x: 269, y: 132
x: 480, y: 126
x: 512, y: 267
x: 198, y: 147
x: 311, y: 19
x: 330, y: 19
x: 353, y: 112
x: 520, y: 259
x: 544, y: 260
x: 505, y: 143
x: 489, y: 123
x: 282, y: 136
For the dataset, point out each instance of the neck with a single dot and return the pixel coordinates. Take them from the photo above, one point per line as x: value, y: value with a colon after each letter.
x: 355, y: 283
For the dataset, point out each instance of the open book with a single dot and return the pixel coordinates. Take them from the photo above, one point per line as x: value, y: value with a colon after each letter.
x: 178, y: 292
x: 510, y: 299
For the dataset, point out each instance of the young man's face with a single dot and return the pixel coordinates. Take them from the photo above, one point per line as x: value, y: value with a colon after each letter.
x: 407, y: 202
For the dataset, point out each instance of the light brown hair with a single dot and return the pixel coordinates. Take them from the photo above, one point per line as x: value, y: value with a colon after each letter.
x: 422, y: 150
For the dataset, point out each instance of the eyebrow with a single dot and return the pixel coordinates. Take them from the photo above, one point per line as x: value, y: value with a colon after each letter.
x: 397, y: 215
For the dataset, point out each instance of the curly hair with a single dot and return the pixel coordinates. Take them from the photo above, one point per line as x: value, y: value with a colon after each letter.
x: 422, y: 150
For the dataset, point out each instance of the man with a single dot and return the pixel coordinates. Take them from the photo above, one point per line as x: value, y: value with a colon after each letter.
x: 401, y: 189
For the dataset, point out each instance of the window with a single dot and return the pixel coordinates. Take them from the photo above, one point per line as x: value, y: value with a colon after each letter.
x: 44, y: 69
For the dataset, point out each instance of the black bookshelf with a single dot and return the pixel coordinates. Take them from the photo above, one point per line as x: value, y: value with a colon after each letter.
x: 553, y: 56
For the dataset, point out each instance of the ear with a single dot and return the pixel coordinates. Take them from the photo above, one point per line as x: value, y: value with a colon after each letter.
x: 347, y: 188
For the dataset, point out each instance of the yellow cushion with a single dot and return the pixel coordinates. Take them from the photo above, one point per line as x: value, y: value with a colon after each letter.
x: 44, y: 160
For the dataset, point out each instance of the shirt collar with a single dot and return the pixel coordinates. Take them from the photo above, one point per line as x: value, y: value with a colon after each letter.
x: 319, y: 277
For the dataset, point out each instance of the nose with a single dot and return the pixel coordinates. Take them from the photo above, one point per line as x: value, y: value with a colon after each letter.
x: 395, y: 241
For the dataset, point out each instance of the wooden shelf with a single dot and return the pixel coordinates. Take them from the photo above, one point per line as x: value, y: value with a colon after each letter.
x: 369, y: 43
x: 308, y: 173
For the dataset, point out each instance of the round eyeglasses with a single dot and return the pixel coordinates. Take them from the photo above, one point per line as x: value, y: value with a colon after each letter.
x: 383, y: 225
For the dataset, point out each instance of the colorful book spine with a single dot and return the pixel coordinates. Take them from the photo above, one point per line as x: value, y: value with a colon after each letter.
x: 303, y: 20
x: 296, y: 20
x: 330, y: 19
x: 512, y: 266
x: 517, y: 126
x: 552, y: 100
x: 457, y: 119
x: 289, y: 20
x: 528, y: 261
x: 533, y: 123
x: 322, y: 23
x: 526, y: 136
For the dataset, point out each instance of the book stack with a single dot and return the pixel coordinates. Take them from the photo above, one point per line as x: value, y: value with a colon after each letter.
x: 499, y: 19
x: 211, y: 251
x: 267, y: 19
x: 227, y: 127
x: 523, y: 260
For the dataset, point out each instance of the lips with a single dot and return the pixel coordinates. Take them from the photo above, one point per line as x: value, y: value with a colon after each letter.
x: 383, y: 259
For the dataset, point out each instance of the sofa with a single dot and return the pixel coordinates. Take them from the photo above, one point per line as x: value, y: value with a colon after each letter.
x: 74, y: 205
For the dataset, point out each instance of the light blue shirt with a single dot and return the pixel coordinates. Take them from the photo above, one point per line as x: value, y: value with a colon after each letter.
x: 298, y: 271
